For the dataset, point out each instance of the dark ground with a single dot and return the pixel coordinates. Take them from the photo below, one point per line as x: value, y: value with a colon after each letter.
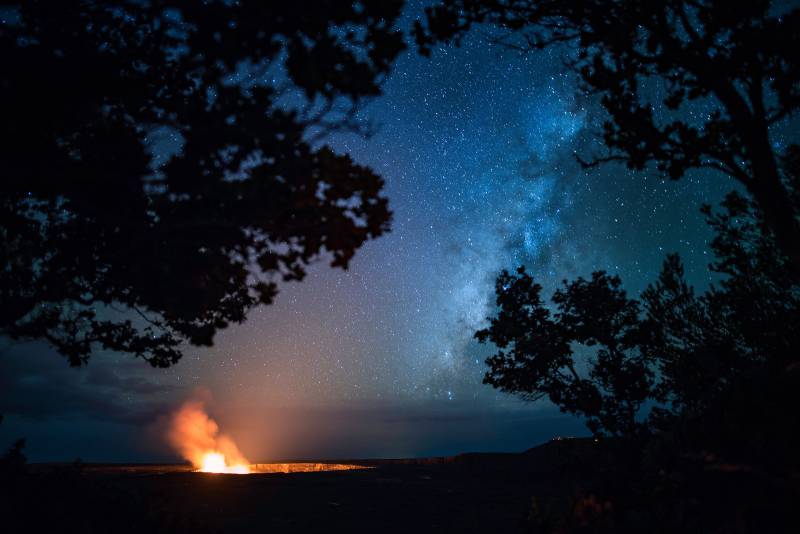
x: 471, y: 492
x: 575, y: 485
x: 395, y: 498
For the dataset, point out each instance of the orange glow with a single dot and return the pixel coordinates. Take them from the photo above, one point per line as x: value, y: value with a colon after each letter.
x: 214, y: 462
x: 303, y: 467
x: 196, y: 436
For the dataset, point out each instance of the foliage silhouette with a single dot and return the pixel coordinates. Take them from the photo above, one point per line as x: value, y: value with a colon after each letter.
x: 703, y: 387
x: 683, y: 356
x: 649, y: 61
x: 537, y: 348
x: 13, y: 462
x: 96, y: 231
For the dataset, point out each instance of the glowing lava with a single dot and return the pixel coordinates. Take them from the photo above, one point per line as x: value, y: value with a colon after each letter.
x: 196, y: 436
x: 214, y: 462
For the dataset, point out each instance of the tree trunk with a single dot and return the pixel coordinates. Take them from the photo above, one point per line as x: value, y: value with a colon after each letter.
x: 772, y: 198
x: 765, y: 184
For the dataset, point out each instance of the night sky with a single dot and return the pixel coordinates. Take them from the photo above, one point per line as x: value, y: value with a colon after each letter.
x: 476, y: 146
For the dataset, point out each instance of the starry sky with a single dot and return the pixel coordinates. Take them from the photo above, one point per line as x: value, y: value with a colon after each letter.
x: 476, y: 145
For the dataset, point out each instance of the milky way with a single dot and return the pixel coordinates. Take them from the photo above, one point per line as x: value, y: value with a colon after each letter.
x: 477, y: 149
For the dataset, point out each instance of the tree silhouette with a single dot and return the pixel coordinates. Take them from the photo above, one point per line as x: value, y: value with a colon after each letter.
x: 703, y: 386
x: 537, y: 355
x: 650, y: 61
x: 728, y: 359
x: 723, y: 364
x: 105, y: 245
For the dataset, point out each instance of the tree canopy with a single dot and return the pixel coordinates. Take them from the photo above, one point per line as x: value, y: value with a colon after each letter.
x: 699, y: 389
x: 650, y: 62
x: 630, y: 366
x: 536, y: 356
x: 728, y: 355
x: 103, y: 244
x: 685, y: 85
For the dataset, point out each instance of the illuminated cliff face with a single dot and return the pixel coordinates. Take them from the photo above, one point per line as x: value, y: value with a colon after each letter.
x: 300, y: 467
